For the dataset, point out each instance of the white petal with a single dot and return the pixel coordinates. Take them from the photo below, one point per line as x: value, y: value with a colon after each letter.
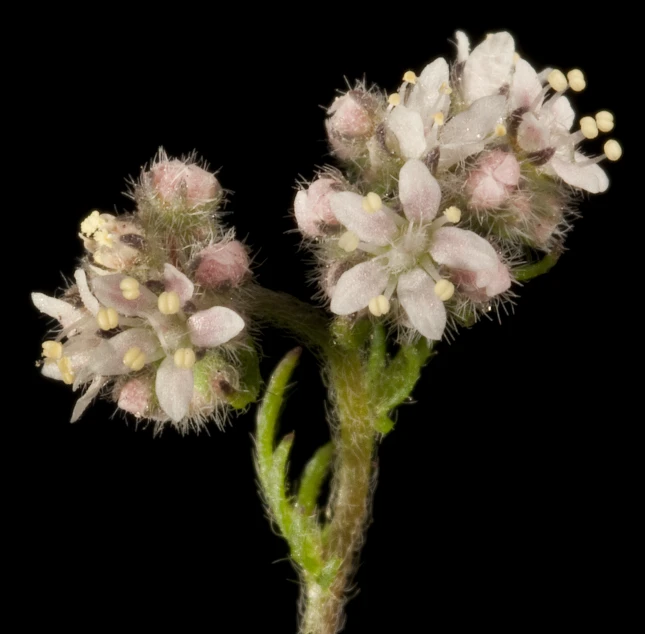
x: 108, y: 292
x: 455, y: 153
x: 499, y: 282
x: 525, y: 87
x: 215, y: 326
x: 424, y: 309
x: 176, y: 281
x: 407, y: 126
x: 51, y: 371
x: 463, y: 46
x: 462, y: 249
x: 532, y: 134
x: 90, y: 393
x: 308, y: 223
x: 357, y: 286
x: 174, y: 388
x: 426, y: 97
x: 488, y: 67
x: 558, y: 113
x: 90, y: 302
x: 476, y: 123
x: 108, y: 357
x: 591, y: 178
x: 65, y: 313
x: 419, y: 192
x: 376, y: 228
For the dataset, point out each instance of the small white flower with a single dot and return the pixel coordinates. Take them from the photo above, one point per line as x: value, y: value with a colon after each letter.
x: 407, y: 251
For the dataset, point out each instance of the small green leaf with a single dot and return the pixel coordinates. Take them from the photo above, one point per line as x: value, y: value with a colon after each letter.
x: 313, y: 477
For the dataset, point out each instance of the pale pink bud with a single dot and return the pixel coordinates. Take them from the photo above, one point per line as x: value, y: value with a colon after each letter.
x: 312, y: 207
x: 172, y: 180
x: 495, y: 176
x: 135, y: 397
x: 224, y: 264
x: 480, y: 286
x: 352, y: 115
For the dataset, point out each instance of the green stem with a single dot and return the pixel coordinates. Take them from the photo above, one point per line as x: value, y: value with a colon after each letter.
x: 529, y: 271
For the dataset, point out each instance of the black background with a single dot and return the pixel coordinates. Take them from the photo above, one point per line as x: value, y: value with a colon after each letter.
x: 505, y: 494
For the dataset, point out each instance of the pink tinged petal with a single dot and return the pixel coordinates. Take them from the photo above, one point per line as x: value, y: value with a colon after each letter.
x: 423, y: 307
x: 525, y: 87
x: 89, y: 395
x: 489, y: 66
x: 463, y: 46
x: 307, y: 222
x: 558, y: 112
x: 109, y: 293
x: 63, y: 312
x: 215, y: 326
x: 222, y: 264
x: 108, y: 357
x: 532, y: 134
x: 376, y: 228
x: 357, y: 286
x: 500, y: 281
x: 419, y: 192
x: 89, y: 301
x: 591, y: 178
x: 426, y: 97
x: 462, y: 249
x: 174, y: 388
x: 484, y: 190
x: 135, y: 396
x: 507, y: 170
x: 350, y: 116
x: 407, y: 126
x: 476, y: 123
x: 176, y: 281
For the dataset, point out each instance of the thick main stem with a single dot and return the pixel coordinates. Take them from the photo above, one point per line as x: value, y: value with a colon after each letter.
x: 351, y: 492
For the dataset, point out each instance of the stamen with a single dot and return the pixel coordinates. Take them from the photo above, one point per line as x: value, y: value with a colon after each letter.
x: 185, y: 358
x: 576, y: 80
x: 379, y: 305
x: 65, y: 367
x: 349, y: 241
x: 613, y: 150
x: 92, y: 223
x: 605, y: 121
x: 444, y: 290
x: 107, y: 318
x: 103, y: 238
x: 134, y: 359
x: 52, y: 350
x: 453, y: 214
x: 588, y: 127
x: 410, y: 76
x: 445, y: 88
x: 500, y: 130
x: 394, y: 99
x: 438, y: 118
x: 557, y: 80
x: 372, y: 203
x: 169, y: 303
x: 130, y: 288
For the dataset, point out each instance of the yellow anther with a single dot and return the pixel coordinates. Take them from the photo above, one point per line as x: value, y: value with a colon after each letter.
x: 605, y: 121
x: 576, y: 80
x: 410, y: 76
x: 444, y: 290
x: 52, y: 350
x: 557, y: 80
x: 394, y: 99
x: 445, y: 88
x: 107, y: 318
x: 184, y: 358
x: 453, y: 214
x: 92, y: 223
x: 372, y: 203
x: 130, y: 288
x: 589, y: 127
x: 65, y: 367
x: 134, y: 359
x: 169, y: 303
x: 500, y: 130
x: 103, y: 238
x: 613, y: 151
x: 438, y: 118
x: 379, y: 305
x: 348, y: 241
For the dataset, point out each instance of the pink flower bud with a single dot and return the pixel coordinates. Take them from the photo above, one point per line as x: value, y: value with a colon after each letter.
x: 352, y: 115
x: 173, y: 180
x: 135, y: 397
x: 495, y: 176
x: 312, y: 207
x: 223, y: 264
x: 480, y: 286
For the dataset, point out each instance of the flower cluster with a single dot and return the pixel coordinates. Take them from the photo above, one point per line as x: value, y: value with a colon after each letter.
x: 465, y: 173
x: 154, y: 318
